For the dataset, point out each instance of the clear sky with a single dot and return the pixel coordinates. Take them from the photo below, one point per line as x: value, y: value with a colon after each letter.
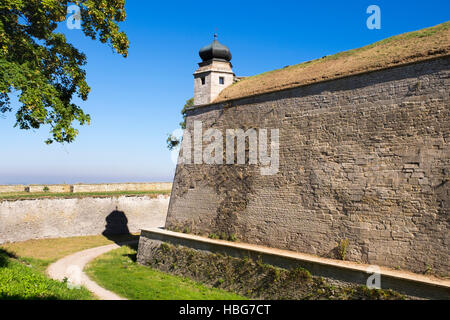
x: 135, y: 102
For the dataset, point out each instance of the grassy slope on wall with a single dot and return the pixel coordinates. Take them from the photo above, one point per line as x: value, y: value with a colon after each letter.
x: 394, y: 51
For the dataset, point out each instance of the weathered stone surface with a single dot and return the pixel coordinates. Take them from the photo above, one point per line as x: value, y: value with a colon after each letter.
x: 113, y: 187
x: 364, y: 158
x: 252, y: 278
x: 100, y: 187
x: 210, y: 71
x: 54, y: 218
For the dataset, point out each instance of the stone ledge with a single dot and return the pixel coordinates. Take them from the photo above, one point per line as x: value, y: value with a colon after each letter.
x: 402, y: 281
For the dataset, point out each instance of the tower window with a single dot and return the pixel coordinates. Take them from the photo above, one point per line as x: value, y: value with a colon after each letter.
x: 203, y: 80
x: 221, y: 80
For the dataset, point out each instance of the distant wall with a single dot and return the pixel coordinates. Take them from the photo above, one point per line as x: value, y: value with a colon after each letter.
x: 76, y: 188
x: 55, y: 188
x: 12, y: 188
x: 22, y: 220
x: 110, y: 187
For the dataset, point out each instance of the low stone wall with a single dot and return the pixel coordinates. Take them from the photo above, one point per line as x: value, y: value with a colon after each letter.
x: 229, y: 266
x: 55, y: 188
x: 111, y: 187
x: 22, y: 220
x: 12, y: 188
x: 250, y: 278
x: 77, y: 188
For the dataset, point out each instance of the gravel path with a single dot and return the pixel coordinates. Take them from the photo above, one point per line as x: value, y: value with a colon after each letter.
x: 71, y: 267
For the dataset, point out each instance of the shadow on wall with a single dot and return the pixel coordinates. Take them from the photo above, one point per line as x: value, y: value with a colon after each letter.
x: 116, y: 228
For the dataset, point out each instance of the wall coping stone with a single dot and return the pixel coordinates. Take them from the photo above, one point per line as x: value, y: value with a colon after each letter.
x: 403, y: 281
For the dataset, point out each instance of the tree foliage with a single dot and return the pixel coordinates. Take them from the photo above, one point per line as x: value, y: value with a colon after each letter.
x: 189, y: 104
x: 172, y: 141
x: 45, y: 71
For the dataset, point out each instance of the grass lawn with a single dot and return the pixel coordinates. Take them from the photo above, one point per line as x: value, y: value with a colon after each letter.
x: 43, y: 252
x: 23, y: 265
x: 117, y: 271
x: 20, y: 280
x: 40, y: 195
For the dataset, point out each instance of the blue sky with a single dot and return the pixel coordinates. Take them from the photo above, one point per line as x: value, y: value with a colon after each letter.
x: 135, y: 102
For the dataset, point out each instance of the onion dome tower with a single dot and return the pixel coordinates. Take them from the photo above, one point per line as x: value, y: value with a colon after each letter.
x: 214, y: 73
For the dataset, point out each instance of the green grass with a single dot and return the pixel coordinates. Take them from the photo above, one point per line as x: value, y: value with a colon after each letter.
x: 117, y: 271
x: 38, y: 195
x: 23, y: 266
x: 42, y: 252
x: 23, y: 279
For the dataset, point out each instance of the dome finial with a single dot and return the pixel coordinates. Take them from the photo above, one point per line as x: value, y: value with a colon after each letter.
x: 215, y: 50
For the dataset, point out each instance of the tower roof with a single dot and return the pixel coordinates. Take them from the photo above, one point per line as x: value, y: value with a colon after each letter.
x: 215, y: 50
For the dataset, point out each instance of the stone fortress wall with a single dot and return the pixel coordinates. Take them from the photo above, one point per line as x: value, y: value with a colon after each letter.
x: 56, y: 217
x: 22, y: 220
x: 364, y: 160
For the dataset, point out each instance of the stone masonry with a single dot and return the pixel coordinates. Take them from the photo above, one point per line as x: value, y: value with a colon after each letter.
x: 79, y: 187
x: 210, y: 72
x: 364, y: 158
x: 27, y: 219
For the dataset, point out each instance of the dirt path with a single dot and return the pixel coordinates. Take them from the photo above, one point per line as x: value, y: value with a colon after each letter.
x: 71, y: 267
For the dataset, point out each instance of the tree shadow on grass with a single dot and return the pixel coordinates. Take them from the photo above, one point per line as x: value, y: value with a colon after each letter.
x: 5, y: 256
x: 133, y: 256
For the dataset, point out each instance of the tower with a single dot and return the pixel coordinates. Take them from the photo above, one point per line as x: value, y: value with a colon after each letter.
x: 214, y: 73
